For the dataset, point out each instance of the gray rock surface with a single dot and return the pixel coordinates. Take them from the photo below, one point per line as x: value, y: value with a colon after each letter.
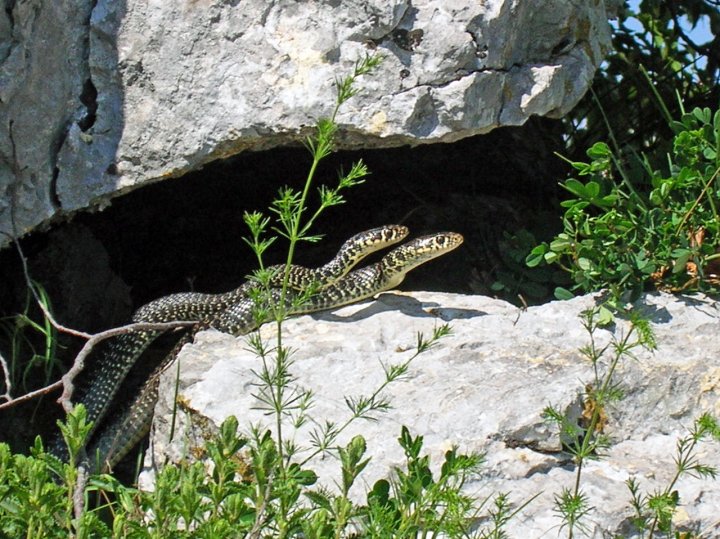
x: 43, y: 69
x: 482, y: 389
x: 98, y: 100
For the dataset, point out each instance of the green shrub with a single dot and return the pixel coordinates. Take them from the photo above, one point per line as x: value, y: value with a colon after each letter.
x: 628, y: 226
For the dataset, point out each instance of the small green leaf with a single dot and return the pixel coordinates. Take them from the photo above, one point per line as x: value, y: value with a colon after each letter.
x: 583, y: 168
x: 303, y: 477
x: 497, y: 286
x: 688, y: 121
x: 677, y: 127
x: 592, y: 189
x: 561, y: 243
x: 551, y: 257
x: 536, y: 255
x: 584, y: 264
x: 563, y: 294
x: 576, y: 187
x: 605, y: 316
x: 319, y: 499
x: 702, y: 114
x: 607, y: 200
x: 680, y: 259
x: 380, y: 493
x: 599, y: 150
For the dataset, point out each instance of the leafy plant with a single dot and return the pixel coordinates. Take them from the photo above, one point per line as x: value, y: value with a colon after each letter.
x: 239, y: 493
x: 660, y: 39
x: 629, y: 226
x: 415, y: 503
x: 654, y: 512
x: 37, y: 491
x: 584, y: 438
x: 515, y: 280
x: 30, y: 344
x: 276, y: 393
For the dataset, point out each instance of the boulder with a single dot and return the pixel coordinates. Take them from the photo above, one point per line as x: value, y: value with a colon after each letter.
x: 483, y: 389
x: 99, y: 97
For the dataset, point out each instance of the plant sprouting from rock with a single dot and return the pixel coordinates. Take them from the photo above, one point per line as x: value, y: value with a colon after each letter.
x: 584, y: 438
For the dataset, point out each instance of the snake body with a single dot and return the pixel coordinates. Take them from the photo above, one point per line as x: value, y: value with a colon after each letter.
x: 237, y: 313
x: 100, y: 384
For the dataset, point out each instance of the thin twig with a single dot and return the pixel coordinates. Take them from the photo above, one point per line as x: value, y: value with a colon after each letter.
x: 79, y: 491
x: 66, y: 381
x: 43, y: 308
x: 698, y: 199
x: 28, y: 396
x: 8, y: 383
x: 260, y: 512
x: 79, y: 363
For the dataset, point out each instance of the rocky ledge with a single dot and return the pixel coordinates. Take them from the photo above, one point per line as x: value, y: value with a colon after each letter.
x: 150, y: 91
x: 483, y: 388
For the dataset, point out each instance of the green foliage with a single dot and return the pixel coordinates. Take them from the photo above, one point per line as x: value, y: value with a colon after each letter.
x: 626, y: 227
x: 245, y: 489
x: 36, y: 491
x: 584, y: 438
x: 30, y: 342
x: 652, y: 41
x: 516, y: 279
x: 654, y: 512
x: 417, y: 504
x: 657, y: 67
x: 572, y: 506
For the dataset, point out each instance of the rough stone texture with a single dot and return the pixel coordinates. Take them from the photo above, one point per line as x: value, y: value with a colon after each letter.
x: 43, y: 69
x: 132, y: 91
x: 483, y: 389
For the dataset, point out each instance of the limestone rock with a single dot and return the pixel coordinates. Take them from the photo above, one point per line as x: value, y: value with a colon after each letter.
x: 121, y: 93
x: 482, y: 389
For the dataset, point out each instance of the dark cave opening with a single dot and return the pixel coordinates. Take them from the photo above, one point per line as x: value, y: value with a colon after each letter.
x: 187, y: 232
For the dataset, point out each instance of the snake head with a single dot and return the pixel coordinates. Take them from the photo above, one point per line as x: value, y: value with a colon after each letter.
x: 410, y: 255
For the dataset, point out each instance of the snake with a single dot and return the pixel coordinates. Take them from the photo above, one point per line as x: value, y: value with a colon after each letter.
x: 236, y: 313
x: 102, y: 381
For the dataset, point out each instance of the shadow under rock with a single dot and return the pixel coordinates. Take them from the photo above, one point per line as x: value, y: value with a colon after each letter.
x: 660, y: 314
x: 706, y: 304
x: 654, y: 313
x: 401, y: 303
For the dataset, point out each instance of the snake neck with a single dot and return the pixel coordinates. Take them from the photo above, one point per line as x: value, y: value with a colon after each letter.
x: 400, y: 261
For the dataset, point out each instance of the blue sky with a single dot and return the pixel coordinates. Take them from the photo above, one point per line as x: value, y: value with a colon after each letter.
x: 700, y: 34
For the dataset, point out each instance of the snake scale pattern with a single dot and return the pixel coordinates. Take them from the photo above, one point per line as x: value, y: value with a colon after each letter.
x: 234, y: 312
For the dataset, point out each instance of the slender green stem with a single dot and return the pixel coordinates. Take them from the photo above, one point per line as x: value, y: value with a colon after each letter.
x: 663, y: 108
x: 616, y: 161
x: 699, y: 198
